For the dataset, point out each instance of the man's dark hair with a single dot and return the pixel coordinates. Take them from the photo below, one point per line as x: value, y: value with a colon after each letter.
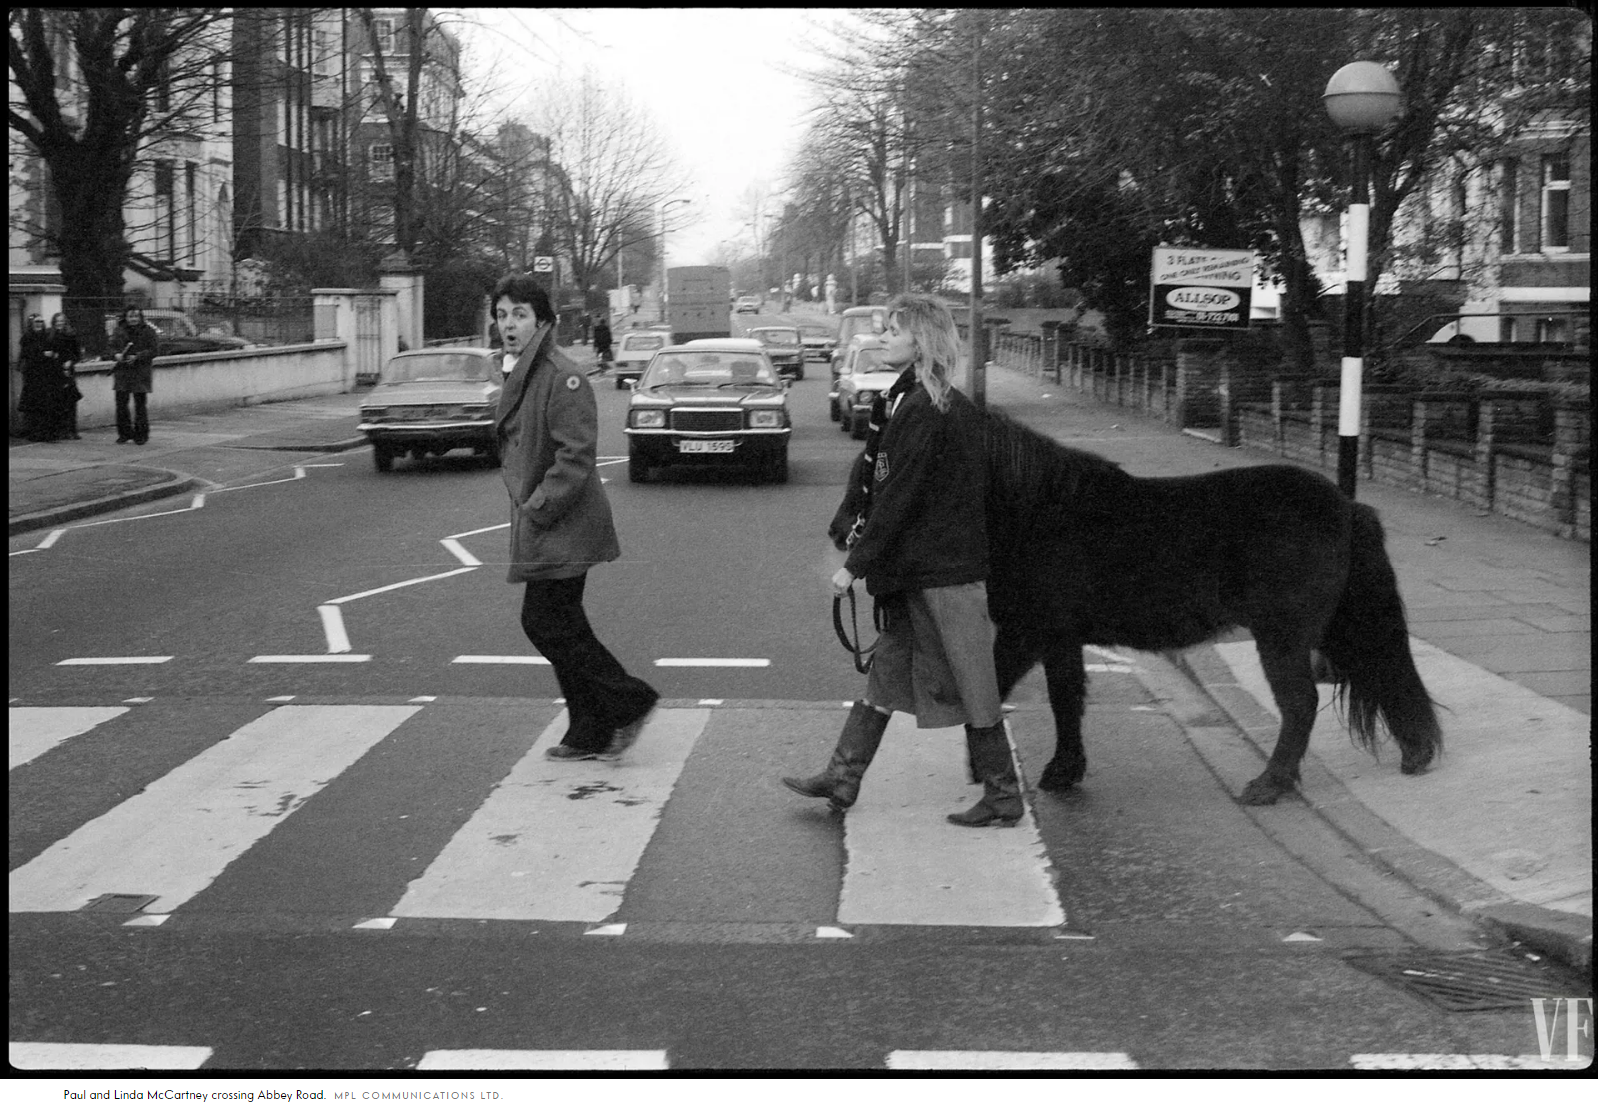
x: 519, y: 287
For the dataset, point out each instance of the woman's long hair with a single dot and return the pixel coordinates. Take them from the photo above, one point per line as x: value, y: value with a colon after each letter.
x: 928, y: 320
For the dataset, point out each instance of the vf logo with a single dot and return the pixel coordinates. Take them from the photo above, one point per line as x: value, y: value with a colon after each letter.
x: 1578, y: 1029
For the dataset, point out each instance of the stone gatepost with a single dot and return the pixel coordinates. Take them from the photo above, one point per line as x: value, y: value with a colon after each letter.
x: 396, y: 273
x: 1572, y: 447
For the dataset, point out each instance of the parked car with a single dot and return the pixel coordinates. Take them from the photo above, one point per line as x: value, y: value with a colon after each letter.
x: 747, y: 304
x: 842, y: 359
x: 634, y: 350
x: 179, y: 334
x: 863, y: 379
x: 783, y: 347
x: 856, y: 320
x: 432, y: 401
x: 715, y: 401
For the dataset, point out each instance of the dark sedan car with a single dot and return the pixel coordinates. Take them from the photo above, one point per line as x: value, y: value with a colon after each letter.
x: 431, y: 401
x: 716, y: 401
x: 784, y: 348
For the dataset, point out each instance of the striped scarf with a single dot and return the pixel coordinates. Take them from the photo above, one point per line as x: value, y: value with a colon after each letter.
x: 882, y: 409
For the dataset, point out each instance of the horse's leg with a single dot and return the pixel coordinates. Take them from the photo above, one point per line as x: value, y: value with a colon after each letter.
x: 1291, y: 675
x: 1067, y: 679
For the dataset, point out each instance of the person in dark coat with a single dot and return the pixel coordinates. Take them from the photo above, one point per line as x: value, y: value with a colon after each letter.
x: 547, y: 423
x: 38, y: 402
x: 922, y: 546
x: 133, y: 346
x: 602, y: 342
x: 65, y: 352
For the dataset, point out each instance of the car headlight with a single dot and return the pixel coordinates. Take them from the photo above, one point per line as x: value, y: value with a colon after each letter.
x: 767, y: 417
x: 648, y: 419
x: 866, y: 397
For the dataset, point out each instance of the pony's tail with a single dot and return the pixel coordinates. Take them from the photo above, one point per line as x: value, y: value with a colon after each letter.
x: 1367, y: 644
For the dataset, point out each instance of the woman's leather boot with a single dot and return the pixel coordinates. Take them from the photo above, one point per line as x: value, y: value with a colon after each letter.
x: 839, y: 782
x: 1000, y: 804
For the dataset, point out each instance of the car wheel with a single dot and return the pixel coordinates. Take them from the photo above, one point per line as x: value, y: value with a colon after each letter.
x: 845, y: 418
x: 637, y: 469
x: 492, y: 454
x: 777, y: 469
x: 383, y: 458
x: 832, y: 408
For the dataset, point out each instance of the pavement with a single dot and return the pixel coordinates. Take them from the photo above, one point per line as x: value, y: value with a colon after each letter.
x: 1500, y: 614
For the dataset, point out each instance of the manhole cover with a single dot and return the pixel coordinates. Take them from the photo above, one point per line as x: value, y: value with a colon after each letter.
x: 118, y: 902
x: 1478, y: 982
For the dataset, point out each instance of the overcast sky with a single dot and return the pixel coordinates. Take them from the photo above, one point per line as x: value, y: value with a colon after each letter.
x: 710, y: 76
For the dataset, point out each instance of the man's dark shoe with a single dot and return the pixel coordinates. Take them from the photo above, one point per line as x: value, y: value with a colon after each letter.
x: 566, y: 752
x: 626, y: 736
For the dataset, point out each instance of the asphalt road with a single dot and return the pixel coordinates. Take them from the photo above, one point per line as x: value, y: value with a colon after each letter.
x: 363, y: 864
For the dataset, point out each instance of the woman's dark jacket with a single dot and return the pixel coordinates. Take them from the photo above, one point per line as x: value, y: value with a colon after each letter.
x: 133, y: 371
x: 927, y: 524
x: 37, y: 374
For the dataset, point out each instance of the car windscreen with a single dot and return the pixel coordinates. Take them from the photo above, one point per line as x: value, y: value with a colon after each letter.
x: 870, y: 360
x: 421, y: 367
x: 776, y: 337
x: 708, y: 368
x: 639, y: 343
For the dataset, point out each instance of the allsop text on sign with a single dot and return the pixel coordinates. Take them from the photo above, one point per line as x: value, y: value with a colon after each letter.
x: 1205, y: 287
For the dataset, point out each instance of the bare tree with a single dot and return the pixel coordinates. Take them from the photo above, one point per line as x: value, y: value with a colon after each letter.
x: 615, y: 173
x: 92, y: 89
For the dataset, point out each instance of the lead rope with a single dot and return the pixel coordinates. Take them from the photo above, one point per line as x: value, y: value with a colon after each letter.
x: 862, y: 655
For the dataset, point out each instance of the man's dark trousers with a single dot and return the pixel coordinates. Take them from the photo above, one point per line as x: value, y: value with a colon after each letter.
x: 600, y: 695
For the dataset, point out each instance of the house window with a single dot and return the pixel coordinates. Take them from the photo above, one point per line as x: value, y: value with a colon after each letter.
x: 1556, y: 203
x: 380, y: 162
x: 191, y: 173
x: 384, y: 29
x: 165, y: 210
x: 1508, y: 209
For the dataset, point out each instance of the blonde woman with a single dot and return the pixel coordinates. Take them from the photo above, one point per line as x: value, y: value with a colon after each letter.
x: 921, y: 545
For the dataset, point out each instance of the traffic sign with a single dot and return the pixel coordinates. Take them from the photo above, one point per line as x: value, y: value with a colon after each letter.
x: 1208, y: 288
x: 543, y: 263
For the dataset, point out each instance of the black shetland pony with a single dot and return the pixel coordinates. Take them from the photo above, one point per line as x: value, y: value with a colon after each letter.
x: 1081, y: 552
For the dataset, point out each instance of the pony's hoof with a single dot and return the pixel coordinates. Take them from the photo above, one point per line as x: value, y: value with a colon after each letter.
x: 1414, y: 766
x: 1262, y: 791
x: 1061, y: 777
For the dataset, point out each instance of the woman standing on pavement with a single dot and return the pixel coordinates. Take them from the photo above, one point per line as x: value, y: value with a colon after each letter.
x: 922, y: 547
x: 37, y: 402
x: 133, y: 346
x: 66, y: 353
x: 548, y: 426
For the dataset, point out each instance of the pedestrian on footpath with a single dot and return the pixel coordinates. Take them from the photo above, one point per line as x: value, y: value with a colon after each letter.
x: 65, y: 352
x: 38, y: 400
x: 134, y: 344
x: 602, y: 342
x: 921, y: 544
x: 548, y: 425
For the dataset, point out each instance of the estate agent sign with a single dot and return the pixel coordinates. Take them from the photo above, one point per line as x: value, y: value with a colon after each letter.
x: 1204, y: 287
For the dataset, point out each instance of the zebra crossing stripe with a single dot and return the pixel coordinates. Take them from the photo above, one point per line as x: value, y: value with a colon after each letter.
x: 35, y: 730
x: 558, y: 841
x: 1010, y: 1060
x: 483, y: 1059
x: 105, y: 1056
x: 907, y: 865
x: 175, y: 837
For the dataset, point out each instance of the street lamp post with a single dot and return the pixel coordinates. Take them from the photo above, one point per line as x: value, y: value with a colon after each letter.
x: 664, y: 206
x: 1362, y: 98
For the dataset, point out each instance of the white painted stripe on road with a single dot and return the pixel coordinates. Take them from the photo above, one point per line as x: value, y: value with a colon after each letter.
x: 338, y: 638
x: 113, y: 660
x: 461, y: 552
x: 325, y: 658
x: 105, y: 1056
x: 712, y: 663
x: 1111, y: 668
x: 33, y: 731
x: 907, y: 864
x: 535, y: 660
x: 484, y: 1059
x: 175, y: 837
x: 558, y: 841
x: 1010, y: 1060
x: 399, y: 585
x: 1401, y: 1061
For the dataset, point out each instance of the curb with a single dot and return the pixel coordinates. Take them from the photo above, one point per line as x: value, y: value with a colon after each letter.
x: 33, y: 521
x: 1561, y: 935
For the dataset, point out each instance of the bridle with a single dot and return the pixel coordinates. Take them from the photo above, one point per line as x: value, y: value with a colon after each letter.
x: 862, y: 653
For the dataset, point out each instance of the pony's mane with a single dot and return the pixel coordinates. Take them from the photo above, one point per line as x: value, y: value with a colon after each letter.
x: 1028, y: 470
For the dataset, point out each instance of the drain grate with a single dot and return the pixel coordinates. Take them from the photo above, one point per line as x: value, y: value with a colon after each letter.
x: 120, y: 903
x: 1480, y: 982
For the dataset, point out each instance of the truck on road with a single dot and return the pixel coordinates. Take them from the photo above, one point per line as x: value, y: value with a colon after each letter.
x: 698, y: 303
